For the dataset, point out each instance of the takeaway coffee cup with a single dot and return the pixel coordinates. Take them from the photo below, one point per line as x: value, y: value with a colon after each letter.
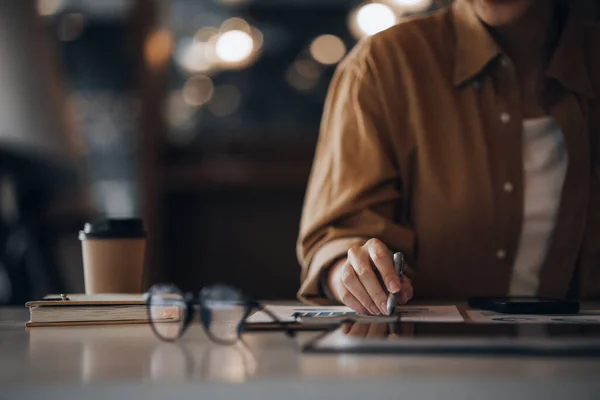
x: 113, y: 256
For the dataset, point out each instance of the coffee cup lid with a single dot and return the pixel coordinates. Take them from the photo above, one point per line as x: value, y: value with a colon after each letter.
x: 113, y: 228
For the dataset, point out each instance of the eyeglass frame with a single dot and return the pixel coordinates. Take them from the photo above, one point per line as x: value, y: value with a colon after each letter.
x: 194, y: 301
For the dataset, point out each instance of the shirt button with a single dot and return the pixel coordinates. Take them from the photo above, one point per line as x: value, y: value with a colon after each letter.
x: 508, y: 187
x: 505, y: 117
x: 476, y: 85
x: 504, y: 62
x: 501, y: 254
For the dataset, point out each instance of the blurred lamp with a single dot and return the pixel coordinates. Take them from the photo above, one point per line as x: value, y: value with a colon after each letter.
x: 158, y: 47
x: 371, y: 18
x: 303, y: 75
x: 193, y: 56
x: 178, y: 113
x: 328, y: 49
x: 49, y: 7
x: 234, y: 46
x: 412, y: 5
x: 235, y: 23
x: 198, y: 90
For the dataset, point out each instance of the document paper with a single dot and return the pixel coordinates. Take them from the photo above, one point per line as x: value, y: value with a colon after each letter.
x: 407, y: 313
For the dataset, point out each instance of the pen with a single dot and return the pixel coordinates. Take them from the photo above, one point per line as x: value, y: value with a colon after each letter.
x: 393, y: 297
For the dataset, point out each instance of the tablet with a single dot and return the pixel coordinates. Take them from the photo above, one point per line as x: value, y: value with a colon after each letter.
x: 447, y: 338
x: 525, y: 305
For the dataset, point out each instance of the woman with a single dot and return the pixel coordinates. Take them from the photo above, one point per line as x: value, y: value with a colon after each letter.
x: 468, y: 140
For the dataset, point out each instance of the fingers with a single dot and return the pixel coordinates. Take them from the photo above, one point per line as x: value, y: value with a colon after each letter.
x: 362, y: 281
x: 382, y: 260
x: 361, y: 263
x: 355, y: 287
x: 336, y: 279
x: 348, y: 299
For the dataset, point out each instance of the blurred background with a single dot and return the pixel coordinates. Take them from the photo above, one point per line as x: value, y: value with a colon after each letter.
x: 201, y: 116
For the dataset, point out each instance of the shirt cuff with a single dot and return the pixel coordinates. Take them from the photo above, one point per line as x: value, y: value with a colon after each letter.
x: 310, y: 291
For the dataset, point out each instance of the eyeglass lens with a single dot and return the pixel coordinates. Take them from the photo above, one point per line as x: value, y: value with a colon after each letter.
x: 223, y: 312
x: 166, y: 311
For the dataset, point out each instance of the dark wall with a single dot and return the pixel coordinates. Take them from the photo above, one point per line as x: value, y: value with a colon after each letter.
x: 242, y: 237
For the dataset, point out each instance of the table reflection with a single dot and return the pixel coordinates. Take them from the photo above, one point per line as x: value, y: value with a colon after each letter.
x: 184, y: 361
x: 378, y: 330
x: 133, y: 352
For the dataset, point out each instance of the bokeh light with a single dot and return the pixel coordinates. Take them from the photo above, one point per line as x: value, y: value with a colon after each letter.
x: 235, y: 24
x: 328, y: 49
x: 178, y: 113
x: 307, y: 68
x: 303, y: 75
x: 182, y: 118
x: 234, y: 46
x: 371, y: 18
x: 197, y: 90
x: 204, y: 34
x: 49, y: 7
x: 412, y: 5
x: 257, y: 37
x: 193, y: 56
x: 158, y: 48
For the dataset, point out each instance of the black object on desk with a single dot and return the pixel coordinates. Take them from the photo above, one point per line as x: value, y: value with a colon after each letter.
x: 525, y: 305
x: 557, y: 340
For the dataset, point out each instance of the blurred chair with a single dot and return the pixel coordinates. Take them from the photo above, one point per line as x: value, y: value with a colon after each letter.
x: 37, y: 156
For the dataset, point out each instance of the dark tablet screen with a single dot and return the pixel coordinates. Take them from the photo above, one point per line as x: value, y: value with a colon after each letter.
x: 557, y: 339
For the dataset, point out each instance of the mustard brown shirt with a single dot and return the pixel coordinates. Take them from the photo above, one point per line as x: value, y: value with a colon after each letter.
x: 421, y: 147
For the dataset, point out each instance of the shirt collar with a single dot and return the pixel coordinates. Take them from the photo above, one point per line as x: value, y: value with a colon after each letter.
x: 568, y: 63
x: 475, y: 48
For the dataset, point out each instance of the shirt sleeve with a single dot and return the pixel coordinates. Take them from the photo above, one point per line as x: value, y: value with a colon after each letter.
x: 355, y: 187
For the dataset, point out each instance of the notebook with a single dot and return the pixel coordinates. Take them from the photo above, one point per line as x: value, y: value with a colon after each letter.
x: 79, y: 309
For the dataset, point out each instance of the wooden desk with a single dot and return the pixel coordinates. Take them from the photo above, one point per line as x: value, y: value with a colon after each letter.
x: 119, y: 362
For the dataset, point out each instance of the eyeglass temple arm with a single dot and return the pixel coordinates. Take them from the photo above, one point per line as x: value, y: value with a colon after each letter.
x: 288, y: 331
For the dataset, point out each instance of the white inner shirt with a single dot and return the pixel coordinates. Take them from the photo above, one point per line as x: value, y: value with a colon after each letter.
x: 545, y: 165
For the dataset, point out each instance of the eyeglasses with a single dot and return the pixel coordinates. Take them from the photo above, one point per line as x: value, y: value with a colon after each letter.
x: 223, y: 311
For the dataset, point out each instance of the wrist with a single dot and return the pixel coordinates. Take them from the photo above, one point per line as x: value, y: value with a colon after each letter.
x: 333, y: 277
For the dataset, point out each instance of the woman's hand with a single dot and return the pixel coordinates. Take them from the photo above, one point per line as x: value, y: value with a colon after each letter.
x: 356, y: 281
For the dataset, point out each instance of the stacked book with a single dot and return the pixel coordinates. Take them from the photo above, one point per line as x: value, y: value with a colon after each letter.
x: 78, y: 309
